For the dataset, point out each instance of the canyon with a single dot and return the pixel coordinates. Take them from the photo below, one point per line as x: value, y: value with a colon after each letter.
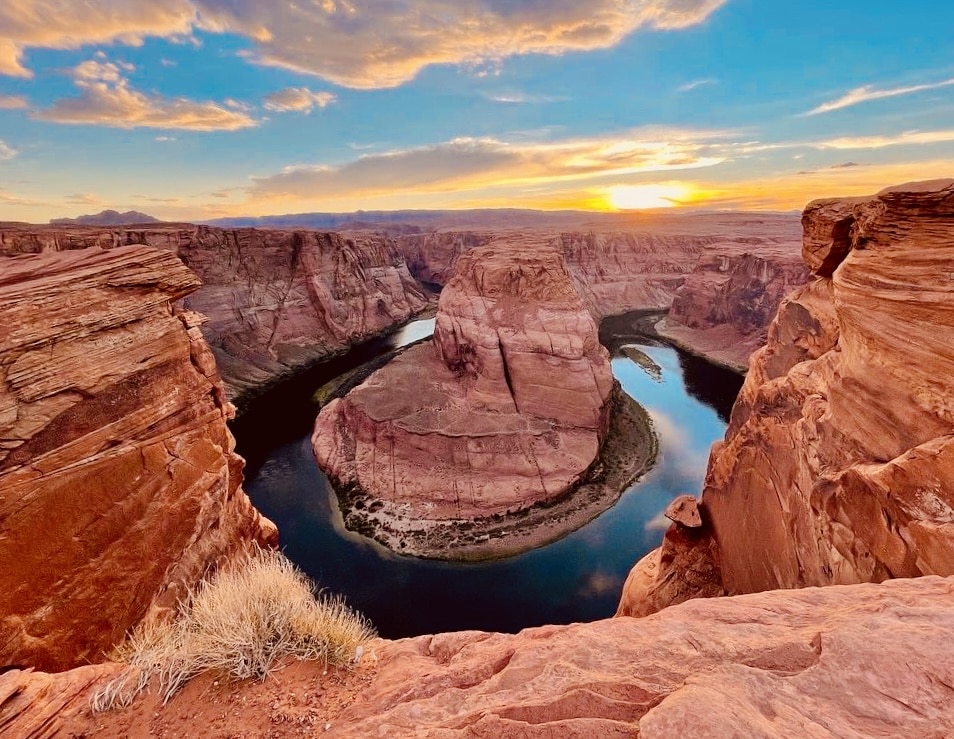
x: 835, y: 471
x: 504, y: 410
x: 279, y: 300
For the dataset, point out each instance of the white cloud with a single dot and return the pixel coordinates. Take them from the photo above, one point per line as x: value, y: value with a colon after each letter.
x: 869, y: 92
x: 471, y: 162
x: 355, y: 43
x: 520, y: 98
x: 695, y: 84
x: 881, y: 142
x: 13, y: 102
x: 299, y: 99
x: 6, y: 151
x: 106, y: 99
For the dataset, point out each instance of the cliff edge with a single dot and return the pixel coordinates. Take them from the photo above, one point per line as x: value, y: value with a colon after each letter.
x: 838, y: 464
x: 119, y: 487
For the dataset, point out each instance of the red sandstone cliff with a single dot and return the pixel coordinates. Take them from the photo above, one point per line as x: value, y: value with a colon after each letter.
x: 838, y: 464
x: 276, y: 300
x: 505, y: 408
x: 724, y: 307
x: 722, y: 275
x: 118, y: 484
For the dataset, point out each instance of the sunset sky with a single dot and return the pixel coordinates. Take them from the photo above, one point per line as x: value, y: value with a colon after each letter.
x: 196, y: 109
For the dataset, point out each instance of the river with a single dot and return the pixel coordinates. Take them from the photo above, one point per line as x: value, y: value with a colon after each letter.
x: 577, y: 578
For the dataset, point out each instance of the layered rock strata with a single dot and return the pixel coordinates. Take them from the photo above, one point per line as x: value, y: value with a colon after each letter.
x: 722, y: 276
x: 119, y: 488
x: 854, y: 661
x: 838, y: 464
x: 276, y: 300
x: 723, y: 309
x: 504, y: 409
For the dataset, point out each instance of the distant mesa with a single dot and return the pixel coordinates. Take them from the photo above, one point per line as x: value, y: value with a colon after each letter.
x: 107, y: 218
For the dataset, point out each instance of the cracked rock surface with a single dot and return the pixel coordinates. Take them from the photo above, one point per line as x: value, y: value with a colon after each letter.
x: 852, y: 661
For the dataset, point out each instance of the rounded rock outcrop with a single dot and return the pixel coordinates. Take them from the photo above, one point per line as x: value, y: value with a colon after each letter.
x: 503, y: 410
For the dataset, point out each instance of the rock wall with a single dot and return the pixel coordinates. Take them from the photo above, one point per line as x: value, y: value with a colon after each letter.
x: 853, y: 661
x: 276, y: 300
x: 505, y: 407
x: 838, y: 464
x: 724, y: 307
x: 723, y: 278
x: 118, y: 484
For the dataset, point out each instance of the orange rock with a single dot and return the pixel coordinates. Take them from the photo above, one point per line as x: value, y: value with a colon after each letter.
x: 276, y: 300
x: 503, y: 409
x: 119, y: 487
x: 838, y: 464
x: 723, y: 309
x: 853, y: 661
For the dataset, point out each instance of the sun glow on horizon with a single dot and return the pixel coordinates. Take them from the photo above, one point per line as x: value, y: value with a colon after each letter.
x: 650, y: 195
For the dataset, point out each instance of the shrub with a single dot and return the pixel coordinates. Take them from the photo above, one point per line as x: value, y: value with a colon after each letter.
x: 240, y: 622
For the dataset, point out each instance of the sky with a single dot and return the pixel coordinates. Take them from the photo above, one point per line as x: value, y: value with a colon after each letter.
x: 198, y: 109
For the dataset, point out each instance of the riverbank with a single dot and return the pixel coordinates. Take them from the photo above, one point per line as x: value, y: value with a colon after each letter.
x: 709, y: 345
x: 628, y: 452
x: 248, y: 400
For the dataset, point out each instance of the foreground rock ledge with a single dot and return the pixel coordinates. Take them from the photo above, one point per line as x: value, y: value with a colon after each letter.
x: 506, y: 409
x: 851, y: 661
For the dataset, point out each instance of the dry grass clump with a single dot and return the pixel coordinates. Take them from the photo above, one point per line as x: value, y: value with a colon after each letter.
x: 239, y: 623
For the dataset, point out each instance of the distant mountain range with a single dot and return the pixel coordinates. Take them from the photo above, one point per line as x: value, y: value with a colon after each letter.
x: 421, y: 219
x: 416, y: 221
x: 106, y: 218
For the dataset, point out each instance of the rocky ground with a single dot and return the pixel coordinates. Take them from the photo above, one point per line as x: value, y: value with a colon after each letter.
x: 850, y: 661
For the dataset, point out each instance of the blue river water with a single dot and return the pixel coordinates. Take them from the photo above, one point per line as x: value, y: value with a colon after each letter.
x: 577, y: 578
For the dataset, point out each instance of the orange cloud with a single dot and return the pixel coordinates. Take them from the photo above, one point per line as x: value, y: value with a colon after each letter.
x: 474, y: 163
x: 299, y: 99
x: 371, y: 44
x: 63, y: 24
x: 106, y: 99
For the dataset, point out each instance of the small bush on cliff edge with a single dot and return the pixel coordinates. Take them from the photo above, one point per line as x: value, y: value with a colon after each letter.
x: 239, y: 623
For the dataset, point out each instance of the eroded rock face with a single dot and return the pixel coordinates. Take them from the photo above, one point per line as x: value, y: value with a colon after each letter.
x: 276, y: 300
x: 724, y: 307
x: 722, y: 275
x: 119, y: 488
x: 854, y: 661
x: 838, y: 464
x: 504, y: 408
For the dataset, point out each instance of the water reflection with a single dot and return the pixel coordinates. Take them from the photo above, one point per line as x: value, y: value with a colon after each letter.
x: 575, y: 579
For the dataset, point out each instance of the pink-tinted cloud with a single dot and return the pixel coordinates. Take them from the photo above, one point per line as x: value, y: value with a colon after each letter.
x: 107, y: 99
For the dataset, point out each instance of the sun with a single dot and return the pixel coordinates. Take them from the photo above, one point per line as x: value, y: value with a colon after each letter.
x: 638, y: 197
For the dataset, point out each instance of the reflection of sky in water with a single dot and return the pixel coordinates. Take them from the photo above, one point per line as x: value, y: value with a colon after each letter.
x: 577, y: 578
x: 414, y: 331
